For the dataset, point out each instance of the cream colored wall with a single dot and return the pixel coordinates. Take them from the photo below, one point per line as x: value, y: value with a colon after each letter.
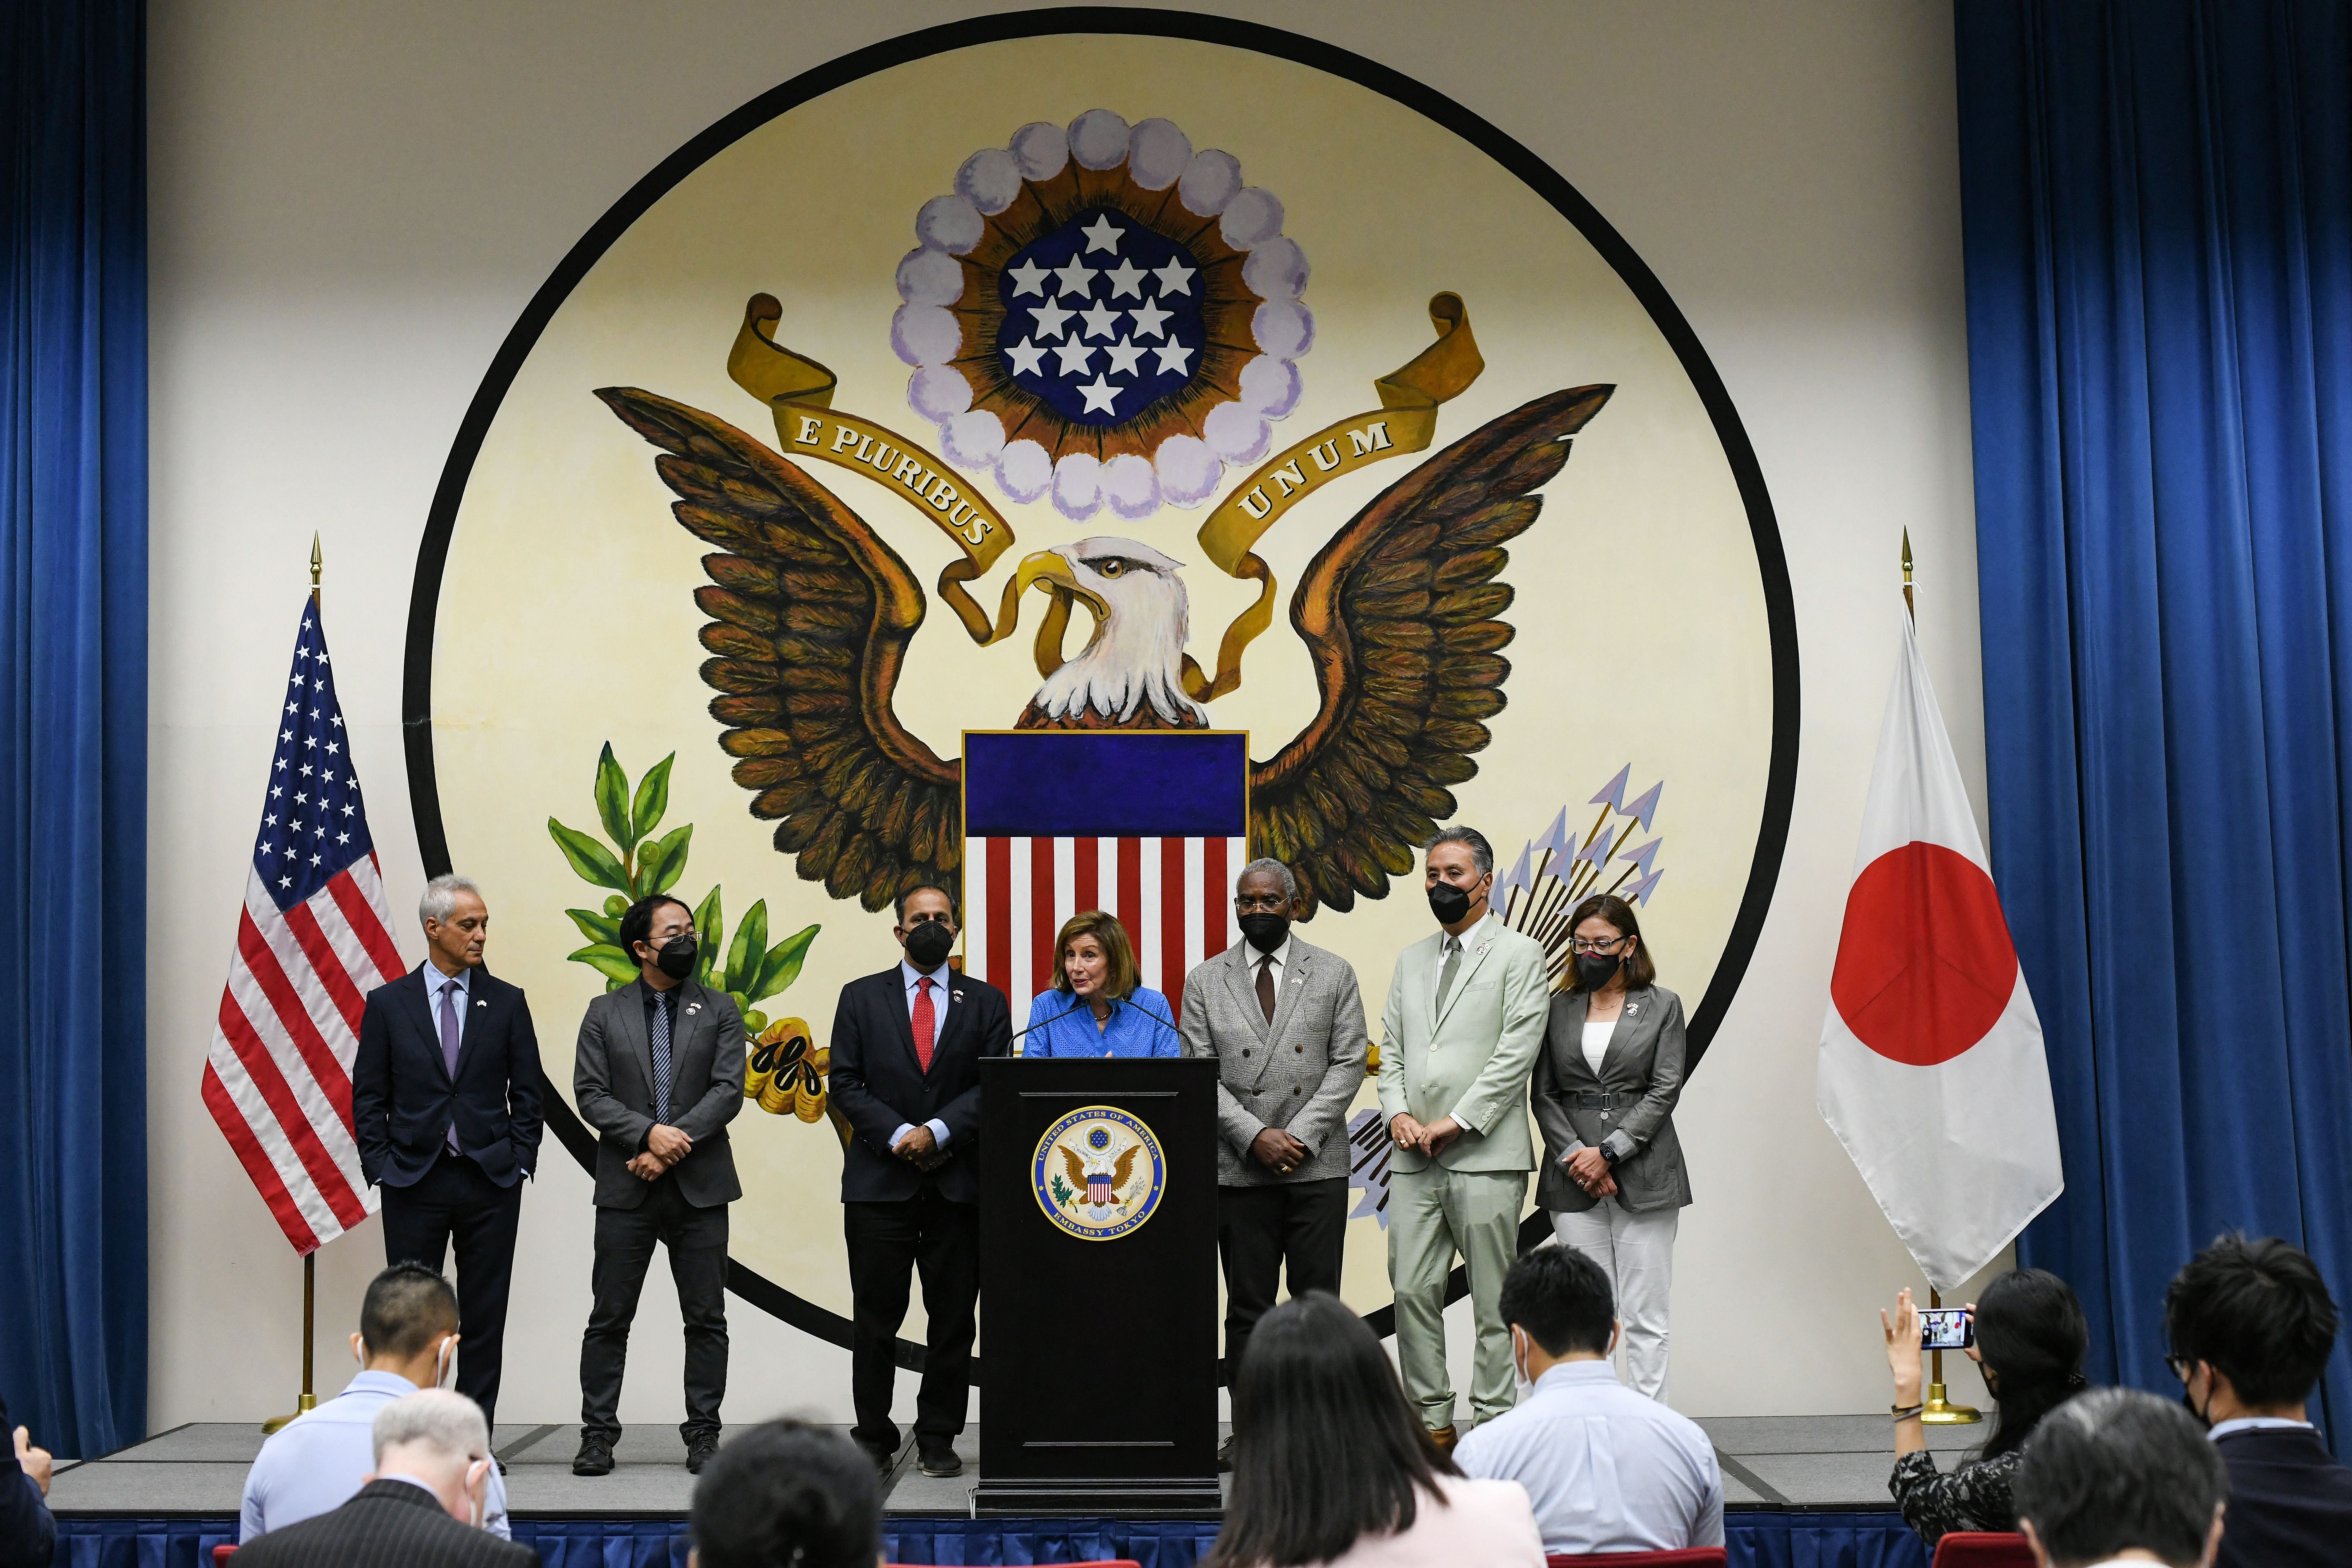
x: 352, y: 206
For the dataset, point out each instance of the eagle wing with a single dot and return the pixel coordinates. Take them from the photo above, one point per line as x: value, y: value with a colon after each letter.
x: 1076, y: 1167
x: 1124, y: 1167
x: 1399, y: 614
x: 811, y: 615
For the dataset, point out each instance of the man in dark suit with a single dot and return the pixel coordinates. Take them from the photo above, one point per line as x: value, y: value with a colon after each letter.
x: 2251, y: 1326
x: 906, y: 1044
x: 444, y: 1100
x: 422, y: 1509
x: 659, y: 1075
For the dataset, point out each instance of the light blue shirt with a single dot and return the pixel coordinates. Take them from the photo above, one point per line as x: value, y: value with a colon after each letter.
x: 908, y: 977
x: 1608, y: 1469
x: 317, y: 1462
x: 1139, y: 1025
x: 433, y: 981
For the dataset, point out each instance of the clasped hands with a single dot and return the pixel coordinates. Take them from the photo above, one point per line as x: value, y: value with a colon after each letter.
x: 920, y: 1149
x: 1279, y: 1151
x: 1590, y: 1168
x: 1430, y: 1139
x: 664, y: 1147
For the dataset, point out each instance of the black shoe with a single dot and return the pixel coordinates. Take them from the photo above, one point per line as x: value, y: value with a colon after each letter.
x: 502, y: 1467
x: 937, y: 1456
x: 1225, y: 1456
x: 883, y: 1457
x: 698, y: 1453
x: 595, y: 1457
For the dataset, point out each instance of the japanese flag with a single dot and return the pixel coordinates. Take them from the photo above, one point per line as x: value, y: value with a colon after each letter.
x: 1931, y: 1070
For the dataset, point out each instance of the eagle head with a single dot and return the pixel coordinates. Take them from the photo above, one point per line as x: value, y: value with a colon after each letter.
x: 1135, y: 660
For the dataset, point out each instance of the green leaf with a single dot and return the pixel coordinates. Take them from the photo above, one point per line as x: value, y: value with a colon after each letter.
x: 743, y: 958
x: 613, y: 800
x: 591, y: 859
x: 653, y: 797
x: 607, y: 960
x: 709, y: 925
x: 600, y: 928
x: 783, y: 965
x: 662, y: 862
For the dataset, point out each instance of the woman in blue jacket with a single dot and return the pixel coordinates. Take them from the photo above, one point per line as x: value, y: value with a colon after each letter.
x: 1096, y: 1007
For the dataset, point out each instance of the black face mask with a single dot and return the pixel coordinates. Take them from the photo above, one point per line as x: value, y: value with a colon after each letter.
x: 1594, y: 970
x: 1448, y: 903
x: 2204, y: 1419
x: 676, y: 958
x: 1265, y: 931
x: 928, y: 944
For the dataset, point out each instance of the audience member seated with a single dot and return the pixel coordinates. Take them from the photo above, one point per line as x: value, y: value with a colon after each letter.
x: 27, y: 1534
x: 1607, y: 1469
x: 787, y: 1493
x: 2118, y: 1477
x: 422, y: 1506
x: 2251, y: 1326
x: 408, y: 1334
x: 2030, y: 1342
x: 1331, y: 1465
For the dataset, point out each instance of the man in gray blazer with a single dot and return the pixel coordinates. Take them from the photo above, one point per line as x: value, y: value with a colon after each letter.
x: 1285, y: 1024
x: 659, y: 1075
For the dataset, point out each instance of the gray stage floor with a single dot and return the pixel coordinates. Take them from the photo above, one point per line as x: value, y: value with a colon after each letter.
x: 1769, y: 1461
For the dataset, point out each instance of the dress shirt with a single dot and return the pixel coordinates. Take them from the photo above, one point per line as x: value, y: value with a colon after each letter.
x: 2256, y: 1423
x: 1608, y: 1469
x: 315, y: 1463
x: 1281, y: 956
x: 433, y: 981
x: 1469, y: 941
x: 908, y: 977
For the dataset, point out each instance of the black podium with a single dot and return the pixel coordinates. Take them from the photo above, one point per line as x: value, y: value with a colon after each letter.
x: 1099, y: 1287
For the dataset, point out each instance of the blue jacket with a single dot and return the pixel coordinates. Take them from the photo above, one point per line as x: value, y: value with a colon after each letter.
x: 1140, y: 1024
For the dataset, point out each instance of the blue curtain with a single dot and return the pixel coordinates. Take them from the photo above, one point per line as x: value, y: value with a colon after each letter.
x: 2157, y: 202
x: 73, y: 722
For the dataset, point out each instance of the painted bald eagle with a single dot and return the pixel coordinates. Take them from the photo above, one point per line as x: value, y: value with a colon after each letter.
x: 811, y: 612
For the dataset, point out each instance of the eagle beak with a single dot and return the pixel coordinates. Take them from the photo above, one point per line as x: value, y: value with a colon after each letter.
x: 1049, y: 567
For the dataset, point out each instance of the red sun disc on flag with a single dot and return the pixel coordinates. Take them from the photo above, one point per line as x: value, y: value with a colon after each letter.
x: 1925, y: 965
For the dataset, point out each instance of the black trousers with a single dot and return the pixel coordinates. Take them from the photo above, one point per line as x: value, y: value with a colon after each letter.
x: 888, y: 1242
x: 1301, y: 1226
x: 697, y: 1241
x: 454, y: 1200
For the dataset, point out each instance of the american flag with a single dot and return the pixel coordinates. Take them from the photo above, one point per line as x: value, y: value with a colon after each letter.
x: 313, y: 939
x: 1055, y: 822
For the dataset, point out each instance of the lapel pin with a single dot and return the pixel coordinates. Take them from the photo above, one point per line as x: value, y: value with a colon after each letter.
x: 481, y: 1003
x: 1631, y: 1008
x: 693, y: 1007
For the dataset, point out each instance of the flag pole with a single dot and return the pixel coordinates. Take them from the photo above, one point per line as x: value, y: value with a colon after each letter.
x: 307, y: 1400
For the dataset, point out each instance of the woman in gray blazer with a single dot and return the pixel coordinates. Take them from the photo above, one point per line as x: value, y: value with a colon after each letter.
x: 1603, y: 1092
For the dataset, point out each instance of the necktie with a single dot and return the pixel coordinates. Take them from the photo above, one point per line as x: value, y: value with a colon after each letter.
x: 1446, y: 973
x: 1265, y: 986
x: 926, y: 1022
x: 661, y: 1056
x: 449, y: 1048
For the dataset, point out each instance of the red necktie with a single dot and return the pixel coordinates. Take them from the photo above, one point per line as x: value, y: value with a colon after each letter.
x: 926, y: 1022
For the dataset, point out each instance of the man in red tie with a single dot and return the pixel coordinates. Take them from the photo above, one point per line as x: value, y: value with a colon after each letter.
x: 906, y: 1044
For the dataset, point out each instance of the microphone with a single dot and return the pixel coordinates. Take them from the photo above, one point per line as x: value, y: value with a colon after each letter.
x: 1075, y: 1004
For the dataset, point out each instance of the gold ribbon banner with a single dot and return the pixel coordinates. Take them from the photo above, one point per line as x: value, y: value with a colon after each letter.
x: 799, y: 391
x: 1405, y: 421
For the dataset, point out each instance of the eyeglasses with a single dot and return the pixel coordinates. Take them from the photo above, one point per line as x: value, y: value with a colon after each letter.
x: 1273, y: 903
x: 2180, y: 1365
x: 1606, y: 945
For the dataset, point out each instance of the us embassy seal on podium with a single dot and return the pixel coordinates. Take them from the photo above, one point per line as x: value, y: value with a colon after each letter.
x: 1098, y: 1172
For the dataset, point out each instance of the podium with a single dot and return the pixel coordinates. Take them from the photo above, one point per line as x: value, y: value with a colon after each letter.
x: 1099, y: 1287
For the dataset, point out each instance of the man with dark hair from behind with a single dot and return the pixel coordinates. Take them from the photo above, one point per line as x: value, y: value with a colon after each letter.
x: 1656, y: 1486
x: 2251, y: 1326
x: 787, y: 1492
x: 2118, y: 1476
x: 407, y: 1340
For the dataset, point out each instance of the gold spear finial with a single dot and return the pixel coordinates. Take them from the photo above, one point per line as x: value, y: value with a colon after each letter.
x: 1909, y: 607
x: 318, y: 564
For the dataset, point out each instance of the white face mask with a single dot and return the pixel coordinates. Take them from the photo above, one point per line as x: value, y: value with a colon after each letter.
x: 1522, y: 1384
x: 444, y: 1362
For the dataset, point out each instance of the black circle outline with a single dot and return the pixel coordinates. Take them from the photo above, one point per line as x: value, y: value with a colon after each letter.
x: 1772, y: 566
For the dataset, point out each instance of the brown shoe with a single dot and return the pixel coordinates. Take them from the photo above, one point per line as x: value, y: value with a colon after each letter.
x: 1444, y: 1439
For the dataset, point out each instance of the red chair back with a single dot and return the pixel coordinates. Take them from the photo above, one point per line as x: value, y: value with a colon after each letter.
x: 221, y: 1554
x: 1098, y: 1563
x: 1689, y: 1557
x: 1983, y: 1549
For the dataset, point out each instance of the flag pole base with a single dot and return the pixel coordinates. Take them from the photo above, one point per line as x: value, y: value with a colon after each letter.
x: 308, y: 1400
x: 302, y: 1406
x: 1940, y: 1412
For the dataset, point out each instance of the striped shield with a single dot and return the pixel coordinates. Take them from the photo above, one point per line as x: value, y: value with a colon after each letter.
x: 1151, y: 826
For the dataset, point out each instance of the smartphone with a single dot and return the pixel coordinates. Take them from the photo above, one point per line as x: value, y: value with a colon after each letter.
x: 1945, y: 1328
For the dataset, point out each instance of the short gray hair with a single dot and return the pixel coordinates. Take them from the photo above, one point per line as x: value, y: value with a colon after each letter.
x: 1481, y: 854
x: 441, y: 896
x: 1268, y: 863
x: 443, y: 1422
x: 2114, y: 1469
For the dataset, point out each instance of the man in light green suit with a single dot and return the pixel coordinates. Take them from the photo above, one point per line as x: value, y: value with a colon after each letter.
x: 1459, y: 1035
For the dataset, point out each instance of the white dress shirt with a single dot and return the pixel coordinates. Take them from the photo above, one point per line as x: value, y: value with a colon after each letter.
x: 2221, y: 1430
x: 1608, y: 1469
x: 908, y: 977
x: 1281, y: 956
x: 316, y: 1463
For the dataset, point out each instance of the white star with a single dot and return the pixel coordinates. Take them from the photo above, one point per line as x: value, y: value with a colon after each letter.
x: 316, y: 859
x: 310, y: 741
x: 1074, y: 355
x: 1123, y: 355
x: 333, y: 746
x: 276, y: 793
x: 285, y: 734
x: 1175, y: 277
x: 1172, y: 357
x: 293, y: 708
x: 1100, y: 235
x: 1101, y: 320
x: 301, y: 653
x: 326, y: 778
x: 300, y: 798
x: 347, y: 811
x: 298, y: 678
x: 1126, y: 278
x: 289, y: 852
x: 269, y: 821
x: 314, y: 712
x: 1025, y: 356
x: 343, y: 838
x: 265, y: 849
x: 1028, y: 278
x: 1099, y: 396
x: 338, y: 720
x: 1050, y: 318
x: 1148, y: 319
x: 306, y: 770
x: 323, y: 655
x: 1075, y: 278
x: 281, y: 764
x: 285, y: 882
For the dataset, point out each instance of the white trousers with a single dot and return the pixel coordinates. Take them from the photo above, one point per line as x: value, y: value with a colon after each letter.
x: 1637, y: 1252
